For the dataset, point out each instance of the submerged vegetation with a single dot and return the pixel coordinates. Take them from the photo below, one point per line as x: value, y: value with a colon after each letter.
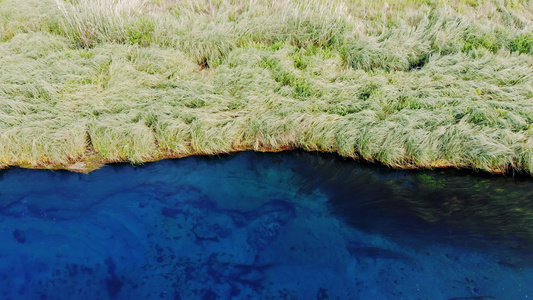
x: 461, y: 206
x: 407, y: 83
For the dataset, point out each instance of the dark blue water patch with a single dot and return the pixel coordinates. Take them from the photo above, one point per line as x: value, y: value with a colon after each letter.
x: 490, y: 213
x: 264, y: 226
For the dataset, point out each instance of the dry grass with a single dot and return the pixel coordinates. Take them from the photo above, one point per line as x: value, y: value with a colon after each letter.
x: 408, y: 84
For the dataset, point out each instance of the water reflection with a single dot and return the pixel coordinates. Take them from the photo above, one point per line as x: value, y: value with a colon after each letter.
x: 461, y: 205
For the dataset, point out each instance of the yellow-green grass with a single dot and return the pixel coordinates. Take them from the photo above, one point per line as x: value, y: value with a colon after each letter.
x: 407, y: 83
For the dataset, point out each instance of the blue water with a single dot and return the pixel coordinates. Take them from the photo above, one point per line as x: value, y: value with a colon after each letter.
x: 264, y: 226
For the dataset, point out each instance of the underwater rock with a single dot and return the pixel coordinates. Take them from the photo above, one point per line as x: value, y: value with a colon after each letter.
x: 207, y: 231
x: 322, y: 294
x: 356, y: 249
x: 75, y: 269
x: 222, y: 270
x: 114, y: 285
x: 20, y: 236
x: 266, y: 223
x: 170, y: 212
x: 111, y: 265
x: 209, y: 295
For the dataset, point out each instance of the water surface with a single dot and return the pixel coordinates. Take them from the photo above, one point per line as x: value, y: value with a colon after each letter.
x: 289, y: 225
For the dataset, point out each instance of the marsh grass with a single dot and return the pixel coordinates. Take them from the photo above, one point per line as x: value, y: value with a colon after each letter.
x: 408, y: 83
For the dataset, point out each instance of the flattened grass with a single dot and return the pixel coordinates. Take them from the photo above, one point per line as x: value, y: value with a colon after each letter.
x: 408, y: 84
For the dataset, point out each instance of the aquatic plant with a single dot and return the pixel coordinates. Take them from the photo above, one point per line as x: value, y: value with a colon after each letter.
x: 408, y: 84
x: 471, y: 205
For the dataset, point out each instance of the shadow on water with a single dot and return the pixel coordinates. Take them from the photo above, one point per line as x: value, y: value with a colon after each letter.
x: 455, y: 206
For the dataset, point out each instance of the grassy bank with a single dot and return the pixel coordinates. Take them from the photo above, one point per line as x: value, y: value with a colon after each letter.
x: 407, y: 83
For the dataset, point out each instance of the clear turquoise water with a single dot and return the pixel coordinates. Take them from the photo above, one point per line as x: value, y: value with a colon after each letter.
x: 264, y: 226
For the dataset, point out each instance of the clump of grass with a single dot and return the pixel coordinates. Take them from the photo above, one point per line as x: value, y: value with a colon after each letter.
x: 140, y: 31
x: 89, y: 22
x: 523, y: 43
x: 397, y: 50
x: 409, y: 83
x: 115, y: 140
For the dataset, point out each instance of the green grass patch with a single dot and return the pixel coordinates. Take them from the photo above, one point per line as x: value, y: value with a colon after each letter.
x: 522, y: 43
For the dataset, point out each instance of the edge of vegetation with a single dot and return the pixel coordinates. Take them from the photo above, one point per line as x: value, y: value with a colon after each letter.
x: 408, y: 84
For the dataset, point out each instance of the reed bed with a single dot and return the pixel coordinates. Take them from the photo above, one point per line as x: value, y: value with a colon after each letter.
x: 408, y: 83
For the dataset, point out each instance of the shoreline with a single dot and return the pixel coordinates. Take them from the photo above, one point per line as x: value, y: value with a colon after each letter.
x: 88, y: 164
